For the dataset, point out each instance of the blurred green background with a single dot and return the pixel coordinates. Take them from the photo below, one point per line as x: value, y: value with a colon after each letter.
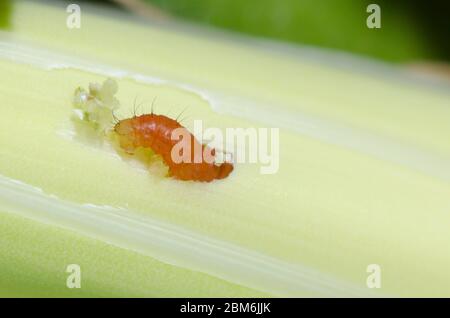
x: 411, y: 30
x: 5, y: 11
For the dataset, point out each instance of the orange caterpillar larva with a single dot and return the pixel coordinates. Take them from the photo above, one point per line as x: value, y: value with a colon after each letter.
x: 155, y: 132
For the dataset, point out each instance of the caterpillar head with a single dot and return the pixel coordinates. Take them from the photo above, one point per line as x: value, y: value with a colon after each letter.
x: 125, y: 131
